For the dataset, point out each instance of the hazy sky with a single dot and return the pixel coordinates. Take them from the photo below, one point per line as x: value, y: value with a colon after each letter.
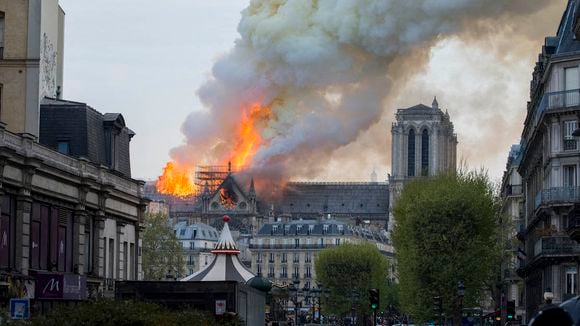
x: 146, y: 61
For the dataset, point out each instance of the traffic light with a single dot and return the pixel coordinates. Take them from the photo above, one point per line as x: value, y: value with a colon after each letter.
x: 374, y: 298
x: 511, y: 310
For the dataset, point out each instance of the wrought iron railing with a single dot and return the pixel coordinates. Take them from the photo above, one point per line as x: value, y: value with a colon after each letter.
x: 556, y: 100
x: 557, y: 245
x: 557, y: 195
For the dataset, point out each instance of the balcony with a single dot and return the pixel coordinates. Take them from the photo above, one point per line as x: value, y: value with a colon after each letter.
x: 290, y: 246
x: 555, y: 246
x: 556, y: 101
x: 558, y: 196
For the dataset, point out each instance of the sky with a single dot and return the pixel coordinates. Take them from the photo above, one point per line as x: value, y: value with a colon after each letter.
x: 147, y: 62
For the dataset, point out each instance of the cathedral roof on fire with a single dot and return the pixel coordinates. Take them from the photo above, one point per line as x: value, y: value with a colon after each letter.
x: 226, y: 265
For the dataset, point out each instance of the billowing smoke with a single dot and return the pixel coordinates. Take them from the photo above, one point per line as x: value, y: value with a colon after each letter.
x: 324, y: 68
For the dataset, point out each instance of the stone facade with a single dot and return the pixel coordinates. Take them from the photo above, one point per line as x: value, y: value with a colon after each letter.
x: 197, y: 241
x: 550, y: 159
x: 512, y: 226
x: 285, y: 251
x: 31, y: 64
x: 66, y: 215
x: 423, y: 144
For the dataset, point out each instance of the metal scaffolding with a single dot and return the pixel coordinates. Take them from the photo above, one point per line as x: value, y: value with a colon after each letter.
x: 212, y: 175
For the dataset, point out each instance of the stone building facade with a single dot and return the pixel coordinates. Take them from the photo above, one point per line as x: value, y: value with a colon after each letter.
x: 197, y: 241
x: 424, y: 143
x: 286, y: 251
x: 550, y: 159
x: 31, y: 60
x: 512, y: 225
x: 65, y: 217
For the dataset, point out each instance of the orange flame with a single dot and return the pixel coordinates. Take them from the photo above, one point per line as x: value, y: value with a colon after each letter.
x: 248, y: 136
x: 176, y: 180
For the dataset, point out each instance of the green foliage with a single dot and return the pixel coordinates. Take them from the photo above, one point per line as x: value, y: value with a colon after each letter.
x: 349, y: 269
x: 446, y: 232
x: 162, y: 252
x: 124, y: 313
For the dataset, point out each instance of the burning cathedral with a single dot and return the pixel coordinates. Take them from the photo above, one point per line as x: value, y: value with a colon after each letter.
x: 423, y: 144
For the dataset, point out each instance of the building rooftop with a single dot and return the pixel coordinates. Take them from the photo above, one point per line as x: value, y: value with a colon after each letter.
x: 356, y: 199
x: 197, y: 231
x: 329, y: 227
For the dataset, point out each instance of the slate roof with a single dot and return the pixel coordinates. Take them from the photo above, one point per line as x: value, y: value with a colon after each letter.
x: 197, y: 231
x: 317, y: 228
x: 364, y: 199
x: 565, y: 41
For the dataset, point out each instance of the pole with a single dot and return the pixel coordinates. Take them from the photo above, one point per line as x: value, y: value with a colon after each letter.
x: 374, y: 317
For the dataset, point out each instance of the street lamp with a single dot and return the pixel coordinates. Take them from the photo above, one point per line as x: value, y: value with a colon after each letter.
x: 460, y: 295
x: 294, y: 297
x: 548, y: 296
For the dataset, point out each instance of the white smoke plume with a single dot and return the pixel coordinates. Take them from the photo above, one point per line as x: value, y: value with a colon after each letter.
x: 325, y: 68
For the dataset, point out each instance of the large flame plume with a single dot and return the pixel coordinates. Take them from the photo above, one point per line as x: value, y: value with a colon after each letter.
x: 178, y: 179
x: 307, y: 77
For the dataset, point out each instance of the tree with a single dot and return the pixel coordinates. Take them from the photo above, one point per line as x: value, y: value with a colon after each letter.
x: 349, y: 271
x: 446, y: 233
x: 162, y: 252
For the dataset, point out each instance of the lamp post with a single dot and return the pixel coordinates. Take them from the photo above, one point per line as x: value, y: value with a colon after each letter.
x: 294, y: 297
x: 460, y: 295
x: 315, y: 295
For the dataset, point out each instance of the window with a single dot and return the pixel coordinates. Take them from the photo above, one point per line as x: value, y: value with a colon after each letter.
x: 206, y: 260
x: 131, y: 268
x: 271, y: 271
x: 411, y: 153
x: 1, y: 35
x: 63, y: 146
x: 126, y: 260
x: 6, y: 231
x: 571, y: 274
x: 284, y: 257
x: 337, y: 241
x: 569, y: 175
x: 271, y: 260
x: 259, y: 258
x: 259, y: 270
x: 284, y: 273
x: 51, y: 238
x: 424, y: 153
x: 88, y: 246
x: 569, y: 140
x: 296, y: 243
x: 307, y: 273
x: 191, y: 245
x: 111, y: 258
x: 325, y: 228
x: 190, y: 260
x: 572, y: 85
x: 308, y: 257
x: 182, y: 232
x: 296, y: 271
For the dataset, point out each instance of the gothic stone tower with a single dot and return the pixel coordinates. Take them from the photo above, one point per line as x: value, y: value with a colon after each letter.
x: 423, y: 144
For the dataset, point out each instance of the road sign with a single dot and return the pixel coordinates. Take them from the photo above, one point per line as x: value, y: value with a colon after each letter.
x: 19, y: 308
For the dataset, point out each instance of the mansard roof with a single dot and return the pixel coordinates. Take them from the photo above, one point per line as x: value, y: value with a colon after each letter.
x: 565, y: 42
x: 326, y: 227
